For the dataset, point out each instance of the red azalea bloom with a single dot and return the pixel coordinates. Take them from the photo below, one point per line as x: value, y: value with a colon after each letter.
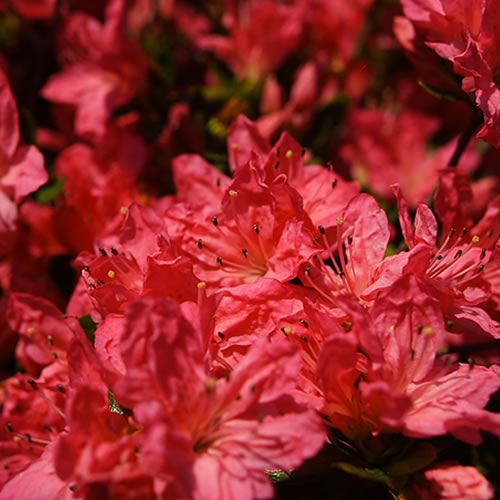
x: 452, y: 482
x: 454, y: 267
x: 263, y: 34
x: 21, y: 167
x: 400, y: 143
x: 211, y: 438
x: 31, y: 9
x: 325, y: 194
x: 109, y: 69
x: 141, y: 263
x: 406, y: 387
x: 259, y: 233
x: 466, y: 33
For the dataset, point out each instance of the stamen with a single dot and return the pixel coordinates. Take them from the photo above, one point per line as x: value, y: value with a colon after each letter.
x: 34, y: 385
x: 103, y: 252
x: 202, y: 294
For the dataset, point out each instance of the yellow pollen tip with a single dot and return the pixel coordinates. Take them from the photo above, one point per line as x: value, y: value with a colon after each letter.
x: 288, y: 330
x: 202, y: 284
x: 475, y: 239
x: 211, y: 384
x: 233, y: 193
x: 428, y: 330
x: 17, y: 438
x: 235, y: 146
x: 111, y: 274
x: 124, y: 210
x: 340, y: 220
x: 289, y: 154
x: 30, y: 330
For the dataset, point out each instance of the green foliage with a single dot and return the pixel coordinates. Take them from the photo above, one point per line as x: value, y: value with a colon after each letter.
x: 89, y: 327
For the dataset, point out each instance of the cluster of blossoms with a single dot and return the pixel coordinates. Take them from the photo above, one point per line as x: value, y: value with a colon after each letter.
x: 316, y: 315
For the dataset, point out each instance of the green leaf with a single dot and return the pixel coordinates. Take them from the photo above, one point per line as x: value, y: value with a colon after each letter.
x: 89, y: 327
x: 276, y: 476
x: 114, y: 407
x: 422, y: 455
x: 439, y: 93
x: 363, y: 472
x: 50, y: 191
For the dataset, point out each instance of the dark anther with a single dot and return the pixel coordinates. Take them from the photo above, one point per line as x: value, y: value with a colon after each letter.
x: 200, y: 243
x: 304, y: 339
x: 458, y: 254
x: 256, y: 229
x: 439, y: 257
x: 60, y: 388
x: 412, y: 354
x: 420, y: 328
x: 452, y: 232
x: 86, y: 269
x: 483, y: 253
x: 277, y: 165
x: 321, y: 229
x: 92, y: 286
x: 450, y: 324
x: 347, y: 326
x: 219, y: 261
x: 9, y: 427
x: 349, y: 239
x: 114, y: 251
x: 214, y: 220
x: 490, y: 232
x: 465, y: 230
x: 334, y: 183
x: 217, y: 182
x: 308, y: 270
x: 221, y: 335
x: 100, y: 282
x: 278, y: 151
x: 480, y: 268
x: 304, y: 322
x: 244, y: 251
x: 32, y: 383
x: 103, y: 252
x: 283, y: 329
x: 50, y: 339
x: 72, y: 487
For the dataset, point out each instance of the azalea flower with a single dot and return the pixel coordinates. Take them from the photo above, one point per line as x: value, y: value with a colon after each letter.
x: 21, y: 167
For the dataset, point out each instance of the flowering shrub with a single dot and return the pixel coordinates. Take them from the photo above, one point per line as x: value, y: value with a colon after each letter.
x: 249, y: 249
